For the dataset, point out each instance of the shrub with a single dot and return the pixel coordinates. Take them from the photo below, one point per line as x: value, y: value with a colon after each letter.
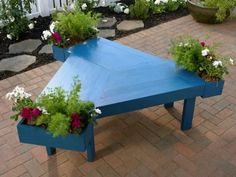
x: 140, y: 9
x: 224, y: 6
x: 13, y: 16
x: 199, y: 57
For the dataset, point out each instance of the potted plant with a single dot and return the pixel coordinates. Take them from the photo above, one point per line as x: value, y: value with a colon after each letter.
x: 211, y: 11
x: 70, y: 27
x: 56, y: 120
x: 199, y: 57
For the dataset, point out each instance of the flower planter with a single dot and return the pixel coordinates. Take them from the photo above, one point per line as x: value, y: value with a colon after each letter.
x: 39, y: 136
x: 60, y: 54
x: 213, y: 88
x: 203, y: 14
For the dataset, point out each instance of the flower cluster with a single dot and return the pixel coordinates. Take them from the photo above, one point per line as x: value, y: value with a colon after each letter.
x: 69, y: 115
x: 119, y: 8
x: 18, y: 94
x: 198, y: 56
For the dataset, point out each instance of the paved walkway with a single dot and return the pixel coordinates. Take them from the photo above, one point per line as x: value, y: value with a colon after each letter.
x: 146, y: 143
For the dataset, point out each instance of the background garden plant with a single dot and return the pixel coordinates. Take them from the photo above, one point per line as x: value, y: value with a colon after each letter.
x: 13, y: 16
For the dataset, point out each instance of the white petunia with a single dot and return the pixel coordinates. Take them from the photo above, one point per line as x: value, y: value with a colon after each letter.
x: 17, y: 94
x: 31, y: 26
x: 46, y: 35
x: 52, y: 26
x: 84, y: 6
x: 164, y: 1
x: 98, y: 111
x: 157, y: 2
x: 217, y: 63
x: 205, y: 52
x: 12, y: 19
x: 231, y: 61
x: 9, y: 36
x: 126, y: 11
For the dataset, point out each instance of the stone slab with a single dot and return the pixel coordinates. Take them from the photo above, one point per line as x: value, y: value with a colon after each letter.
x: 129, y: 25
x: 106, y: 33
x: 46, y: 49
x: 24, y: 46
x: 17, y: 63
x: 107, y: 22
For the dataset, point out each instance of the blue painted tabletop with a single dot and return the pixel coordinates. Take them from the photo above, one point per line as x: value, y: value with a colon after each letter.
x: 118, y: 78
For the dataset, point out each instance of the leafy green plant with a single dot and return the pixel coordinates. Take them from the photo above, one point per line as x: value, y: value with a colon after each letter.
x: 57, y: 111
x: 140, y: 9
x: 71, y: 27
x: 199, y: 57
x: 224, y: 7
x: 13, y: 16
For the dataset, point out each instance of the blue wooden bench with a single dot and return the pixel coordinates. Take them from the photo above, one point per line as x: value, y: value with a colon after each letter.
x: 120, y: 79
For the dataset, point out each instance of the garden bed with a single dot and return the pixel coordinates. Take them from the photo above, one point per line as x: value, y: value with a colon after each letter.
x: 42, y: 24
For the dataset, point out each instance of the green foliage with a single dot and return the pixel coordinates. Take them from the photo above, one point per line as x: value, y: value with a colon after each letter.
x: 59, y: 125
x: 224, y: 7
x: 140, y: 9
x: 189, y: 54
x: 75, y: 26
x: 13, y: 16
x: 158, y: 7
x: 89, y: 3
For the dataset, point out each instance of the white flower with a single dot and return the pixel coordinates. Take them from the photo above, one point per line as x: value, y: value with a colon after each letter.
x: 148, y: 0
x: 126, y: 11
x: 46, y: 34
x: 205, y: 52
x: 17, y: 94
x: 12, y: 19
x: 157, y: 2
x: 52, y: 26
x: 217, y: 63
x: 186, y: 44
x: 31, y: 26
x: 84, y: 6
x: 180, y: 44
x: 95, y: 28
x: 98, y: 111
x: 9, y: 36
x: 231, y: 61
x: 164, y: 1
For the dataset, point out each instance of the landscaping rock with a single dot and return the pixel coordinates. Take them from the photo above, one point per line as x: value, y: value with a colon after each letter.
x: 128, y: 25
x: 107, y: 22
x: 106, y: 33
x: 46, y: 49
x: 16, y: 64
x: 25, y: 46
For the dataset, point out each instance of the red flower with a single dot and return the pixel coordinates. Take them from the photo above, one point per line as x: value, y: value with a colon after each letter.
x: 57, y: 37
x: 36, y: 112
x: 75, y: 123
x: 203, y: 44
x: 26, y: 113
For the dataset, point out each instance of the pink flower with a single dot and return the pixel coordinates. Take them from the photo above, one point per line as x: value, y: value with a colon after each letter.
x: 57, y: 37
x: 36, y: 112
x: 203, y: 44
x: 26, y: 113
x: 75, y: 123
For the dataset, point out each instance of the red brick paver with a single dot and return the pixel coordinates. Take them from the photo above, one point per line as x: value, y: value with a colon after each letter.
x: 145, y: 143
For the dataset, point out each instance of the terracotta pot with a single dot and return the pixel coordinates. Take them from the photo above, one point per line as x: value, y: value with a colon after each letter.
x: 203, y: 14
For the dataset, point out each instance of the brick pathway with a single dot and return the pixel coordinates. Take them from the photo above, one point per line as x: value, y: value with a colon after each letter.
x: 146, y: 143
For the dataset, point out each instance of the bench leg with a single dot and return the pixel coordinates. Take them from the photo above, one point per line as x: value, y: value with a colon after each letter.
x: 188, y: 111
x: 169, y: 105
x: 50, y: 150
x: 91, y: 146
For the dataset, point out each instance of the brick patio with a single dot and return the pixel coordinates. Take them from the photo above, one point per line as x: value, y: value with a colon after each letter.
x: 145, y: 143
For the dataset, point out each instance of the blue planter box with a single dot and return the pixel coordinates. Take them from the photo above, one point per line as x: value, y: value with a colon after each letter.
x: 213, y: 88
x: 40, y: 136
x: 60, y: 54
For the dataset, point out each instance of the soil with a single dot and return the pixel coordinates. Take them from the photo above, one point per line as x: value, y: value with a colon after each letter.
x: 42, y: 23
